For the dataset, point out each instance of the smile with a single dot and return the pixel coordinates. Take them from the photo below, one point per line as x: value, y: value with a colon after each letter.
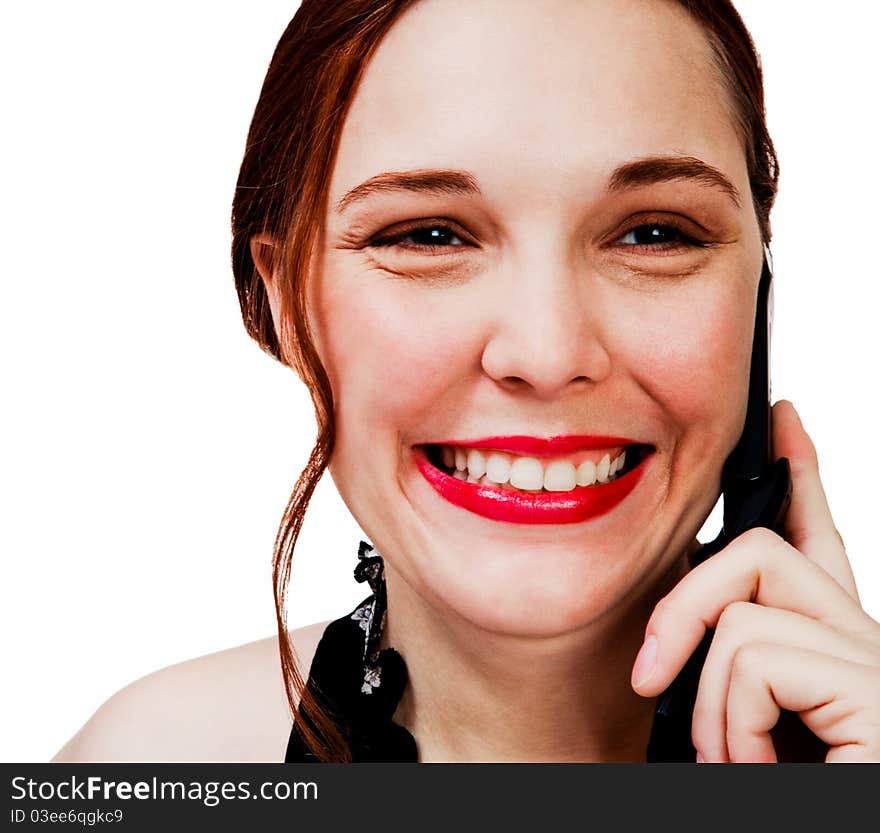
x: 534, y: 481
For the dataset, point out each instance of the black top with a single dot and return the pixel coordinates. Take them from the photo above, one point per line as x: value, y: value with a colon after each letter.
x: 359, y: 685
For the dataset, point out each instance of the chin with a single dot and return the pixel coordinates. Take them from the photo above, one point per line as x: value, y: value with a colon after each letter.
x: 526, y: 589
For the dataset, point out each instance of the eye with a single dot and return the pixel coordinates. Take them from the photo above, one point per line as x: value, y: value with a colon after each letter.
x: 432, y: 237
x: 654, y: 238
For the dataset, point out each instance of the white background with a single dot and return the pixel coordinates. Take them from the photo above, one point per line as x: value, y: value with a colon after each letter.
x: 148, y: 447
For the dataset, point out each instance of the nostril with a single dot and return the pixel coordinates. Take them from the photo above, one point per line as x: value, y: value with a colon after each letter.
x: 513, y: 384
x: 518, y: 383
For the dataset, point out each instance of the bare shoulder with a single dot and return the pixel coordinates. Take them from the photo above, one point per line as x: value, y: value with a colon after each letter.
x: 226, y: 706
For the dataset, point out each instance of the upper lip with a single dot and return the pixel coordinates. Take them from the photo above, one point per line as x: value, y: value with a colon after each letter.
x: 543, y: 446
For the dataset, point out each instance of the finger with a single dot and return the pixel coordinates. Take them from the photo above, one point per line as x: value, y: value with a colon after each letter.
x: 832, y: 696
x: 757, y: 566
x: 809, y: 526
x: 740, y: 624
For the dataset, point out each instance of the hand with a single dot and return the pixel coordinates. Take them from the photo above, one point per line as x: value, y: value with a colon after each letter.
x: 790, y: 632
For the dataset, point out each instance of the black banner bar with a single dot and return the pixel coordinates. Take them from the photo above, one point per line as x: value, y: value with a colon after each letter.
x: 374, y: 798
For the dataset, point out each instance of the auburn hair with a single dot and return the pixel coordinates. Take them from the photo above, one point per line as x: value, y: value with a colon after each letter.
x: 281, y: 192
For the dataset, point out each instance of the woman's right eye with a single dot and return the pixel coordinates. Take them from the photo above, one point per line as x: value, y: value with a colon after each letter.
x: 425, y: 237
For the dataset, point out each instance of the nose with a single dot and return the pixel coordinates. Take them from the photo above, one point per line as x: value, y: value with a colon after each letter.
x: 547, y: 333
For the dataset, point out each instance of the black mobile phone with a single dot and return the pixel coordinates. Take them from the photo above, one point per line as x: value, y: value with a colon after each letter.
x: 756, y: 492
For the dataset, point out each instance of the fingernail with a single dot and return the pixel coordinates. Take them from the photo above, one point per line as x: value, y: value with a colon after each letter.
x: 645, y: 662
x: 700, y: 758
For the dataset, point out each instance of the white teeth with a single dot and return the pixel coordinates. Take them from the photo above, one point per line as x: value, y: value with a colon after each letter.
x: 498, y: 468
x: 559, y: 476
x: 527, y: 473
x: 586, y: 473
x: 476, y: 464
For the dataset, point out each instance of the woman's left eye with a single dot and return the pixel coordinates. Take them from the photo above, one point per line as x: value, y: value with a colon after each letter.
x: 657, y: 237
x: 430, y: 237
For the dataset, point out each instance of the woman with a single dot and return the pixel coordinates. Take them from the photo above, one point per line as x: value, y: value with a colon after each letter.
x: 519, y: 245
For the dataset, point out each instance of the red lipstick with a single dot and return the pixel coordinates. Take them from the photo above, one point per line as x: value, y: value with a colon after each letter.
x: 580, y: 504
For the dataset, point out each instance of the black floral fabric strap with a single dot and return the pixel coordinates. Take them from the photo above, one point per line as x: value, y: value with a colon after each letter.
x: 370, y: 614
x: 359, y: 685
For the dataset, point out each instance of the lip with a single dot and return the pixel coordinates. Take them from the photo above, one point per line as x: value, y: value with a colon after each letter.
x: 540, y: 447
x: 576, y: 506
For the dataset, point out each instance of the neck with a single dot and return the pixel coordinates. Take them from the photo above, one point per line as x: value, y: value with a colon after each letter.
x: 475, y: 695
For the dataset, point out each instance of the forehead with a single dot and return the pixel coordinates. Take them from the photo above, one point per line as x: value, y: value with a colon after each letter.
x: 527, y: 95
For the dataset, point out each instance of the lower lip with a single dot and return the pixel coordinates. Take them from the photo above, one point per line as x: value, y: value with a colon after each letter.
x: 580, y: 504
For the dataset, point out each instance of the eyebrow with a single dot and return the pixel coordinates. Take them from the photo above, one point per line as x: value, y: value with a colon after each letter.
x: 635, y: 174
x: 653, y: 169
x: 421, y: 181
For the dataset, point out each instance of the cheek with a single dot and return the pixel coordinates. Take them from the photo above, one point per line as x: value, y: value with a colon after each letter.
x: 691, y: 354
x: 391, y: 354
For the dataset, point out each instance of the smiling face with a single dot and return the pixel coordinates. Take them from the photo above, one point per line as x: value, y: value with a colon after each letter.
x: 533, y: 276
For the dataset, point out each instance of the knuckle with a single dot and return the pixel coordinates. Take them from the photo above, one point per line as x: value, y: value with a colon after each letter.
x: 749, y: 661
x: 734, y: 616
x: 760, y: 537
x: 806, y: 460
x: 661, y: 610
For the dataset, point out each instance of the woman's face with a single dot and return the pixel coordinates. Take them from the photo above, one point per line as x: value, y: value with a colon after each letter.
x: 531, y: 286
